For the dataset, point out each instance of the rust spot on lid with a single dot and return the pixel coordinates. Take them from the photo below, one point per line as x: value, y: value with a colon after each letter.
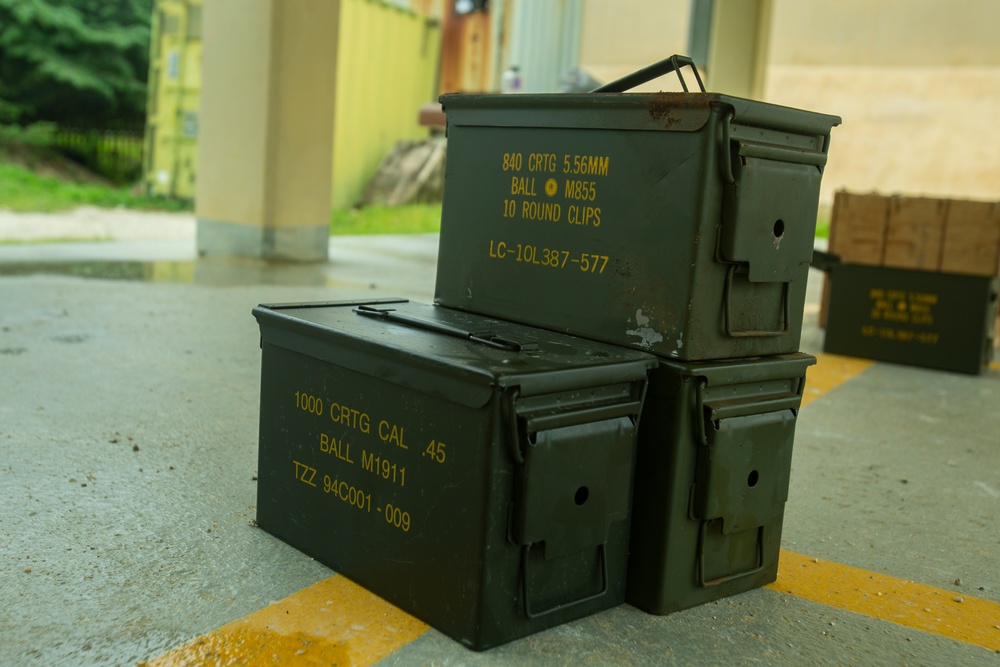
x: 664, y: 107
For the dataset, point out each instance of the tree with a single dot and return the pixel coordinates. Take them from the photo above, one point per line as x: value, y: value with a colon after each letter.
x: 77, y: 62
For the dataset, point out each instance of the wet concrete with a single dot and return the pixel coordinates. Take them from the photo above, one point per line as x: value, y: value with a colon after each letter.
x: 128, y: 426
x: 360, y: 265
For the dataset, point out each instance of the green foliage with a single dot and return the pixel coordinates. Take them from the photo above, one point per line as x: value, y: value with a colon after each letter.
x: 823, y: 222
x: 410, y: 219
x: 36, y: 134
x: 23, y: 190
x: 116, y: 156
x: 74, y: 61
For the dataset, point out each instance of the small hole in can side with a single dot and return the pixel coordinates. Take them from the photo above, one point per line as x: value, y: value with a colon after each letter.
x: 752, y: 478
x: 581, y: 495
x: 779, y: 228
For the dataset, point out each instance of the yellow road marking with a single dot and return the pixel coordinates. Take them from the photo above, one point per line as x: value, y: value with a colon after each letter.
x: 333, y: 622
x: 995, y: 365
x: 830, y: 371
x: 934, y: 610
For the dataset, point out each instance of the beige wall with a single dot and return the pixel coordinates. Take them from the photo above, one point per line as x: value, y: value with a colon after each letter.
x: 302, y: 111
x: 267, y: 110
x: 233, y: 121
x: 620, y: 36
x: 886, y: 32
x: 623, y: 34
x: 917, y: 82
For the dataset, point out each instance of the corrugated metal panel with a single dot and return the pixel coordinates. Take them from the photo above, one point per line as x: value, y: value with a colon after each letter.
x: 543, y: 41
x: 173, y: 99
x: 387, y: 69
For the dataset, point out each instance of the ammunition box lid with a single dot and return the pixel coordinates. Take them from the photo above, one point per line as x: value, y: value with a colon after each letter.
x: 456, y: 355
x: 747, y: 369
x: 626, y: 111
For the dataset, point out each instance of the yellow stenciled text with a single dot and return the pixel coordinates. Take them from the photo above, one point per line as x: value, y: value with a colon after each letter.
x: 586, y: 165
x: 338, y: 448
x: 350, y: 417
x: 391, y: 434
x: 304, y: 473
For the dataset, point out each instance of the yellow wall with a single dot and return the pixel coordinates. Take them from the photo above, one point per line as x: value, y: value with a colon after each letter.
x: 172, y: 105
x: 386, y: 70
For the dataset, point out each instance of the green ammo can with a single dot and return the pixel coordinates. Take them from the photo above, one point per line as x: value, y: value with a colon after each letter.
x: 712, y: 472
x: 473, y: 472
x: 677, y: 223
x: 921, y: 318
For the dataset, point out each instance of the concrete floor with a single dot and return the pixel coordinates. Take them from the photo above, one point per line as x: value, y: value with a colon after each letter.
x: 128, y: 453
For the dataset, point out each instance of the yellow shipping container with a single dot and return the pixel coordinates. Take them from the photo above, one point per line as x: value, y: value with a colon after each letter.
x: 174, y: 87
x: 387, y: 64
x: 387, y: 68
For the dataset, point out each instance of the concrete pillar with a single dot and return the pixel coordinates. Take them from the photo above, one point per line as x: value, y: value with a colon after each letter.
x: 266, y: 135
x: 738, y: 47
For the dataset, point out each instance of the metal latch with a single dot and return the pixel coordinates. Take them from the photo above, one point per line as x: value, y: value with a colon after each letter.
x: 484, y: 338
x: 574, y: 453
x: 743, y: 465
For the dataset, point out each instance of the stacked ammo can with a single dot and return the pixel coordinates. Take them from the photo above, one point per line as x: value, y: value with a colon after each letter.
x: 475, y: 473
x: 599, y: 407
x: 680, y: 224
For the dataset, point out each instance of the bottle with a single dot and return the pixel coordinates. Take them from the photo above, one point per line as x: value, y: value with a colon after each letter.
x: 510, y: 82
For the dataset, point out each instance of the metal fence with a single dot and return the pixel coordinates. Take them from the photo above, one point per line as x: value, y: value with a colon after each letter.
x: 116, y: 155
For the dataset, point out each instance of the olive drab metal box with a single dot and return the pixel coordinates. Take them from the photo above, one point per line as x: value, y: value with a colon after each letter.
x: 677, y: 223
x: 475, y: 473
x: 712, y: 472
x: 921, y: 318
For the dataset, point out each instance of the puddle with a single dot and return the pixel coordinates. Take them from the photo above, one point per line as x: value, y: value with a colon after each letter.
x: 204, y: 271
x: 174, y: 272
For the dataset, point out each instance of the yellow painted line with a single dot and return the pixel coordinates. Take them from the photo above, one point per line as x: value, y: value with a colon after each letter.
x: 933, y: 610
x: 831, y: 371
x: 337, y: 622
x: 925, y: 608
x: 333, y: 622
x: 995, y: 365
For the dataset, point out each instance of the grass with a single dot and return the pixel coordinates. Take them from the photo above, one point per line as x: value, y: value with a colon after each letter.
x: 409, y: 219
x: 822, y: 229
x: 823, y: 222
x: 24, y: 190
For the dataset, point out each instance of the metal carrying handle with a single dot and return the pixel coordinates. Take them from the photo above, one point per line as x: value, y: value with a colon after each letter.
x: 484, y: 338
x: 646, y: 74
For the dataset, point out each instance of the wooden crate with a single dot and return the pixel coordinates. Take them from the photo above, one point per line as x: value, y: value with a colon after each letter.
x: 972, y: 238
x: 914, y: 232
x: 858, y: 226
x: 947, y: 235
x: 857, y: 234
